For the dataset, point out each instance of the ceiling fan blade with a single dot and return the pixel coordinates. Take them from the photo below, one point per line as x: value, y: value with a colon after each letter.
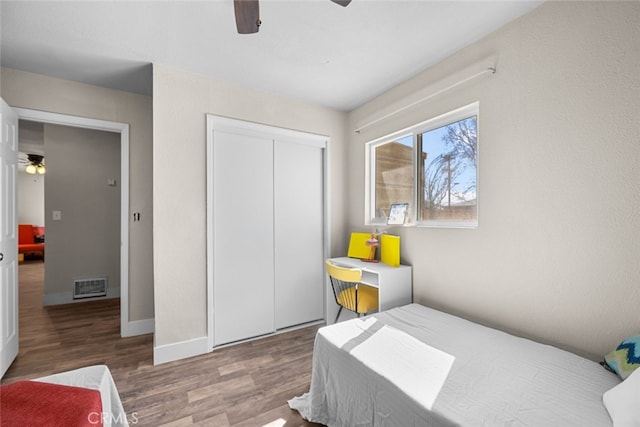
x: 247, y: 16
x: 344, y: 3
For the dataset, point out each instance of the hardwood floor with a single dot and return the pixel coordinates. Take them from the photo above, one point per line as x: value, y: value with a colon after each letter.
x: 243, y: 385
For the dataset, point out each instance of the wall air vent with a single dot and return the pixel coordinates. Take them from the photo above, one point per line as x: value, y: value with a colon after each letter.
x: 88, y: 288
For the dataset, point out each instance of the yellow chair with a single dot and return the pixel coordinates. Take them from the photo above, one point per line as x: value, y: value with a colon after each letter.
x: 349, y: 292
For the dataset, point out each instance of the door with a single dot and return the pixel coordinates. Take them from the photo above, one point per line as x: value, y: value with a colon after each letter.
x: 242, y: 236
x: 299, y: 232
x: 265, y: 228
x: 8, y: 238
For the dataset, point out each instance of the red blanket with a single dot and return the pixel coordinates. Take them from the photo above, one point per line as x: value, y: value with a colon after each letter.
x: 32, y: 403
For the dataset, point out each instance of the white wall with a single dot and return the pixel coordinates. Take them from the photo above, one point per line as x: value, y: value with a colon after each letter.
x: 30, y: 198
x: 555, y: 256
x: 33, y: 91
x: 180, y: 102
x: 30, y: 187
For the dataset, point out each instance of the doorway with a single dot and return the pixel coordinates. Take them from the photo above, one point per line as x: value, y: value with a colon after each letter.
x: 123, y: 130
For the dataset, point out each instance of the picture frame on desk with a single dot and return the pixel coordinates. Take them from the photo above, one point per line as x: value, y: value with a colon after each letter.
x: 398, y: 214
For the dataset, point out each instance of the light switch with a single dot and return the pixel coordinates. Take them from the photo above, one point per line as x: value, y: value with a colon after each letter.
x: 57, y: 215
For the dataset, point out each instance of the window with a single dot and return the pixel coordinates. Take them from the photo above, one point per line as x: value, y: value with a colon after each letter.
x: 432, y: 166
x: 393, y: 174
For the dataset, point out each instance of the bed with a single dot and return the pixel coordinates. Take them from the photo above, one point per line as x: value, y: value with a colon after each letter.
x: 416, y: 366
x: 82, y: 397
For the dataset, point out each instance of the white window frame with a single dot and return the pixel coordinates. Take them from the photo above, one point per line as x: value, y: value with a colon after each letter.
x: 456, y: 115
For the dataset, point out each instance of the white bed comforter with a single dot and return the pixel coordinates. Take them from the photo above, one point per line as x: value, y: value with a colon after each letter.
x: 433, y: 369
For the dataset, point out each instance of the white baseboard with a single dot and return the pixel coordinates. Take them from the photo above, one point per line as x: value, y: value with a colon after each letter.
x: 67, y: 297
x: 180, y: 350
x: 139, y: 327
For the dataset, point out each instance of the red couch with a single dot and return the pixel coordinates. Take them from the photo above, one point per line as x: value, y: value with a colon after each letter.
x: 30, y: 239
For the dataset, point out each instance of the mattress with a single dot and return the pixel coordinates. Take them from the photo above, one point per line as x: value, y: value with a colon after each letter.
x: 415, y: 366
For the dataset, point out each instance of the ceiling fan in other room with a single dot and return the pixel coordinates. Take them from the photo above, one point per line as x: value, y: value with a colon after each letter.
x: 248, y: 14
x: 34, y: 163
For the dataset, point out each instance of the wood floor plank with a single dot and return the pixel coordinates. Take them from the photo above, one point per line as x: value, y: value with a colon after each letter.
x: 242, y: 385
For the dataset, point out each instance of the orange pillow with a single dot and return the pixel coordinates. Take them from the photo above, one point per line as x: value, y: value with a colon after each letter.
x: 25, y: 234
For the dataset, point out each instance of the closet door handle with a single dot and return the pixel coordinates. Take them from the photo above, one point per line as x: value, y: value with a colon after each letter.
x: 1, y: 256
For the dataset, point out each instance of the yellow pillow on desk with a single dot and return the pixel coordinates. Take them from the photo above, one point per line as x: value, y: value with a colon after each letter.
x: 358, y: 246
x: 390, y: 250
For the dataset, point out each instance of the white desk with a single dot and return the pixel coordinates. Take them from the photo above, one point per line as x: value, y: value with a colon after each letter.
x: 393, y: 283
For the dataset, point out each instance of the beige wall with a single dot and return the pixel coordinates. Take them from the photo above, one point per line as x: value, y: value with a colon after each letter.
x: 555, y: 256
x: 180, y: 103
x: 27, y: 90
x: 85, y: 242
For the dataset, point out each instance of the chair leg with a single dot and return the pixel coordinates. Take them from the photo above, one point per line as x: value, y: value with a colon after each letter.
x: 339, y: 311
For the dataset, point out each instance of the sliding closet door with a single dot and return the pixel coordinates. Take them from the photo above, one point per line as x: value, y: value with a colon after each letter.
x: 299, y: 223
x: 243, y: 252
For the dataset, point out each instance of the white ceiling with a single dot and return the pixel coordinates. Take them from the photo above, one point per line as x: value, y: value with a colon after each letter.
x: 313, y: 50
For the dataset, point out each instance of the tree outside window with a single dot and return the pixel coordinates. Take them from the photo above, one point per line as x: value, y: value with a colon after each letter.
x: 432, y: 166
x: 447, y: 190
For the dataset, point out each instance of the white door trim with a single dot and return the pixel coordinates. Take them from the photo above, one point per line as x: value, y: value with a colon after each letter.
x: 126, y: 329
